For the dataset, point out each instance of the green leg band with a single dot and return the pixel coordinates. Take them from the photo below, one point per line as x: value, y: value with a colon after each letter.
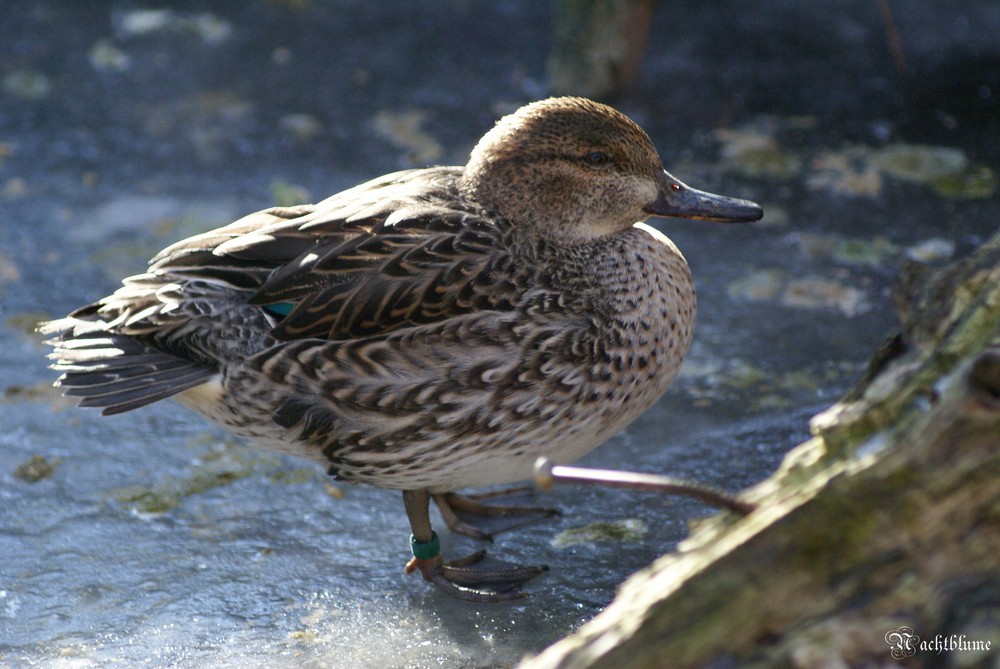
x: 425, y: 550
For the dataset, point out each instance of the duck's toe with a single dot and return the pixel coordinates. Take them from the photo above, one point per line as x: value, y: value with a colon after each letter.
x: 453, y: 506
x: 468, y: 580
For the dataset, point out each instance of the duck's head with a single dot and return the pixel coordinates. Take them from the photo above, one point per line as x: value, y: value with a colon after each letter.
x: 574, y: 170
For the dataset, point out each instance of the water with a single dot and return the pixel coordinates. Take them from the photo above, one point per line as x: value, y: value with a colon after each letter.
x: 157, y: 541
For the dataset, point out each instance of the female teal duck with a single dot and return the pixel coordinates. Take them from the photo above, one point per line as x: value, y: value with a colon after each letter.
x: 430, y: 330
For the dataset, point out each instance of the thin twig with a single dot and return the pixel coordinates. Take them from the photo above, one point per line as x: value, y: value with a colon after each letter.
x: 895, y: 45
x: 547, y: 474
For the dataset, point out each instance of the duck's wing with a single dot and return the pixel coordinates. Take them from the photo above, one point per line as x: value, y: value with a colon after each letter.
x: 402, y: 250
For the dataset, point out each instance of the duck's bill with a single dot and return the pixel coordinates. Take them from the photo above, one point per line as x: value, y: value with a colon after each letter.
x: 678, y: 200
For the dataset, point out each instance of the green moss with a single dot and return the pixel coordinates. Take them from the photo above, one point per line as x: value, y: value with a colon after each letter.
x: 204, y: 481
x: 629, y: 529
x: 295, y: 476
x: 168, y: 495
x: 26, y: 322
x: 220, y: 466
x: 945, y: 169
x: 27, y: 85
x: 761, y: 156
x: 831, y: 537
x: 39, y: 391
x: 757, y: 286
x: 146, y: 499
x: 978, y: 183
x: 919, y: 163
x: 837, y: 531
x: 744, y: 375
x: 35, y: 469
x: 870, y: 253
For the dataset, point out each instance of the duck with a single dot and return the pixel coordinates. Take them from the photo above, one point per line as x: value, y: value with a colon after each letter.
x: 428, y: 331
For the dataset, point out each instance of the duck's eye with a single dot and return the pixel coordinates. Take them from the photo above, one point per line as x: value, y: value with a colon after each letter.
x: 597, y: 159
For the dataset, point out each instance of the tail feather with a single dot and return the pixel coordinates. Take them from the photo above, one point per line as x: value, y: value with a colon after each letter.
x: 123, y: 399
x: 117, y: 372
x: 101, y: 383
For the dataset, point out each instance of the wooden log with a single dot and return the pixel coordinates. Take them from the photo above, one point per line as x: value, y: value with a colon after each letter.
x: 888, y: 518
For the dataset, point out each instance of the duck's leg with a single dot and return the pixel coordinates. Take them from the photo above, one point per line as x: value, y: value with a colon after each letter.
x: 451, y: 504
x: 455, y: 577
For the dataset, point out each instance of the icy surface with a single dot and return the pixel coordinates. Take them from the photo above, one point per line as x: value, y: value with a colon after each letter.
x: 154, y: 540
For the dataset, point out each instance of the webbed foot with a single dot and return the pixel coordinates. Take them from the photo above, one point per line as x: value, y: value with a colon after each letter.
x: 461, y: 580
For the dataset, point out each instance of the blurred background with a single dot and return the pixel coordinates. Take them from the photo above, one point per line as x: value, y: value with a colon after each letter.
x: 868, y: 130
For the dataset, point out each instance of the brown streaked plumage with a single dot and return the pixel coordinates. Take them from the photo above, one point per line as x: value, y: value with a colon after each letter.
x: 426, y: 331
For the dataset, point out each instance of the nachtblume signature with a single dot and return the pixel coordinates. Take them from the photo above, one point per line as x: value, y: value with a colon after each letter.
x: 904, y: 643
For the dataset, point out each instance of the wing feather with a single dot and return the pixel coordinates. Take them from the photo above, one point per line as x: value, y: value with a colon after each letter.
x: 399, y: 251
x: 402, y: 251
